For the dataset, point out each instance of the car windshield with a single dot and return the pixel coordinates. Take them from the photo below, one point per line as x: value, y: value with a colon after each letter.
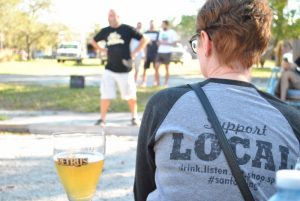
x: 68, y: 46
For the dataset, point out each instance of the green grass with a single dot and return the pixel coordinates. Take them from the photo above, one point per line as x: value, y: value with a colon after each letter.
x: 92, y: 66
x: 261, y: 72
x: 3, y: 118
x: 61, y: 97
x: 264, y: 72
x: 51, y: 67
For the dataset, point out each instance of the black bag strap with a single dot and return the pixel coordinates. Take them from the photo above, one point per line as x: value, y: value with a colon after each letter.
x: 229, y: 155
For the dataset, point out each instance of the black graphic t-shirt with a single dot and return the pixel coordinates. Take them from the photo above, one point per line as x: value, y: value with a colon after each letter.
x: 152, y: 47
x: 179, y: 157
x: 118, y: 46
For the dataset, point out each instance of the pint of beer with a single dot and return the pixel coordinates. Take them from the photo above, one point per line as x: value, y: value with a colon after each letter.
x: 79, y: 163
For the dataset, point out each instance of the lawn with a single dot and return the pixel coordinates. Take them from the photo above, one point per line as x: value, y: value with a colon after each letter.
x: 51, y: 67
x: 3, y: 117
x: 61, y: 97
x: 93, y: 67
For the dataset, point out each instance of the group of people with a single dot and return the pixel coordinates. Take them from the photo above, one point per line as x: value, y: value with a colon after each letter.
x: 125, y: 51
x: 179, y: 153
x: 158, y: 51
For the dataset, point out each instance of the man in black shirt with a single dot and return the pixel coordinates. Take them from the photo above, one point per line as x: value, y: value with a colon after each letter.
x: 151, y: 51
x: 119, y: 65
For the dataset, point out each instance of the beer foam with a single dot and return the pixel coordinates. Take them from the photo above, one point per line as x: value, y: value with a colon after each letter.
x: 92, y: 157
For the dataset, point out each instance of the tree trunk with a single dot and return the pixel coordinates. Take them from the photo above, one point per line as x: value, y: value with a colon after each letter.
x: 296, y: 48
x: 1, y: 40
x: 28, y: 49
x: 278, y: 51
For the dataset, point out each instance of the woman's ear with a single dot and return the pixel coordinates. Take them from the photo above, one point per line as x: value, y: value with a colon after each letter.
x: 206, y: 43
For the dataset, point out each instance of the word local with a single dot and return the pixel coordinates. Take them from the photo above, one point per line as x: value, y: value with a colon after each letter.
x: 209, y: 141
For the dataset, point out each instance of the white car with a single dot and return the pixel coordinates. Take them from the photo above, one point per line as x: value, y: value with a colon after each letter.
x: 180, y: 54
x: 70, y: 51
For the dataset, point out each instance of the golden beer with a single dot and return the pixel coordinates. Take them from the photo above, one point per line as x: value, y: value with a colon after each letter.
x: 79, y: 173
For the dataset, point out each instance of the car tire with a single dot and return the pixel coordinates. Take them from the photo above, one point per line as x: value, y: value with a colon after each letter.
x: 102, y: 62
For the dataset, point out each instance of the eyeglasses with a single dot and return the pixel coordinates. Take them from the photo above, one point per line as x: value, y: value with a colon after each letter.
x: 194, y: 42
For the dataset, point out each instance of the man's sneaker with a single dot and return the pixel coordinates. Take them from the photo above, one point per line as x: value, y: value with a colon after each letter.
x: 143, y: 85
x: 135, y: 122
x: 155, y: 84
x: 100, y: 122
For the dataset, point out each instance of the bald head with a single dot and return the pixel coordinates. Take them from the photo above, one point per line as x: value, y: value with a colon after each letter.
x: 139, y: 26
x: 152, y: 25
x: 113, y: 18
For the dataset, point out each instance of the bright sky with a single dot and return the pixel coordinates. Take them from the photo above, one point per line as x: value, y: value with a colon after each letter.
x: 294, y: 4
x: 82, y: 15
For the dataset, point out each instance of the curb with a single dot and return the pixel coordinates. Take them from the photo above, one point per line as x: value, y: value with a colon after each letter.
x: 48, y: 129
x: 14, y: 128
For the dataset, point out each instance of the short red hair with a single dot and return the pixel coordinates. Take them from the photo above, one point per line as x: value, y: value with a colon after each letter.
x: 240, y: 29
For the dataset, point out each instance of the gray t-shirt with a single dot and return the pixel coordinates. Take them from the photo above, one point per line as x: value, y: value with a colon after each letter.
x: 179, y: 157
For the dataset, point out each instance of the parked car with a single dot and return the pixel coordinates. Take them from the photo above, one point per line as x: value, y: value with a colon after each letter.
x: 180, y: 54
x: 70, y: 51
x: 103, y: 58
x: 93, y: 54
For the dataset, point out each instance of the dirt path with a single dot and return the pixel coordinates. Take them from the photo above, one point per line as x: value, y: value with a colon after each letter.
x: 27, y: 171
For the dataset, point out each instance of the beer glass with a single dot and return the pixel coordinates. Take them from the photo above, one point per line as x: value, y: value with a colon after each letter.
x: 79, y: 159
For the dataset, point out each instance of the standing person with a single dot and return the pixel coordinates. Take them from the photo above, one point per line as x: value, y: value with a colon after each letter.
x: 137, y: 61
x: 179, y: 156
x: 167, y: 39
x: 119, y: 64
x: 151, y: 51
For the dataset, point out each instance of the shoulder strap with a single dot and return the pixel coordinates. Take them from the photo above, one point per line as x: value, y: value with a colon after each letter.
x: 229, y: 155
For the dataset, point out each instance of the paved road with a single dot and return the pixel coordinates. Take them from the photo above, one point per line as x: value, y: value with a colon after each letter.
x: 94, y: 80
x: 91, y: 80
x: 48, y: 122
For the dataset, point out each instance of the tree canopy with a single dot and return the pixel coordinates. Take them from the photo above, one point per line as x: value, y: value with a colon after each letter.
x: 286, y: 23
x: 21, y: 26
x: 285, y: 26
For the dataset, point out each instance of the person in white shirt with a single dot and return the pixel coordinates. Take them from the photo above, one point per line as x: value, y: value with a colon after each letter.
x: 167, y: 39
x: 137, y: 61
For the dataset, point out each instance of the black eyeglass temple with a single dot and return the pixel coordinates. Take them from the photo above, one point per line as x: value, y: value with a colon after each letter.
x: 198, y: 34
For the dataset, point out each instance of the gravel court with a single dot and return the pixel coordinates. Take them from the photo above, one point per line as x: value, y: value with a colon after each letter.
x: 27, y: 170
